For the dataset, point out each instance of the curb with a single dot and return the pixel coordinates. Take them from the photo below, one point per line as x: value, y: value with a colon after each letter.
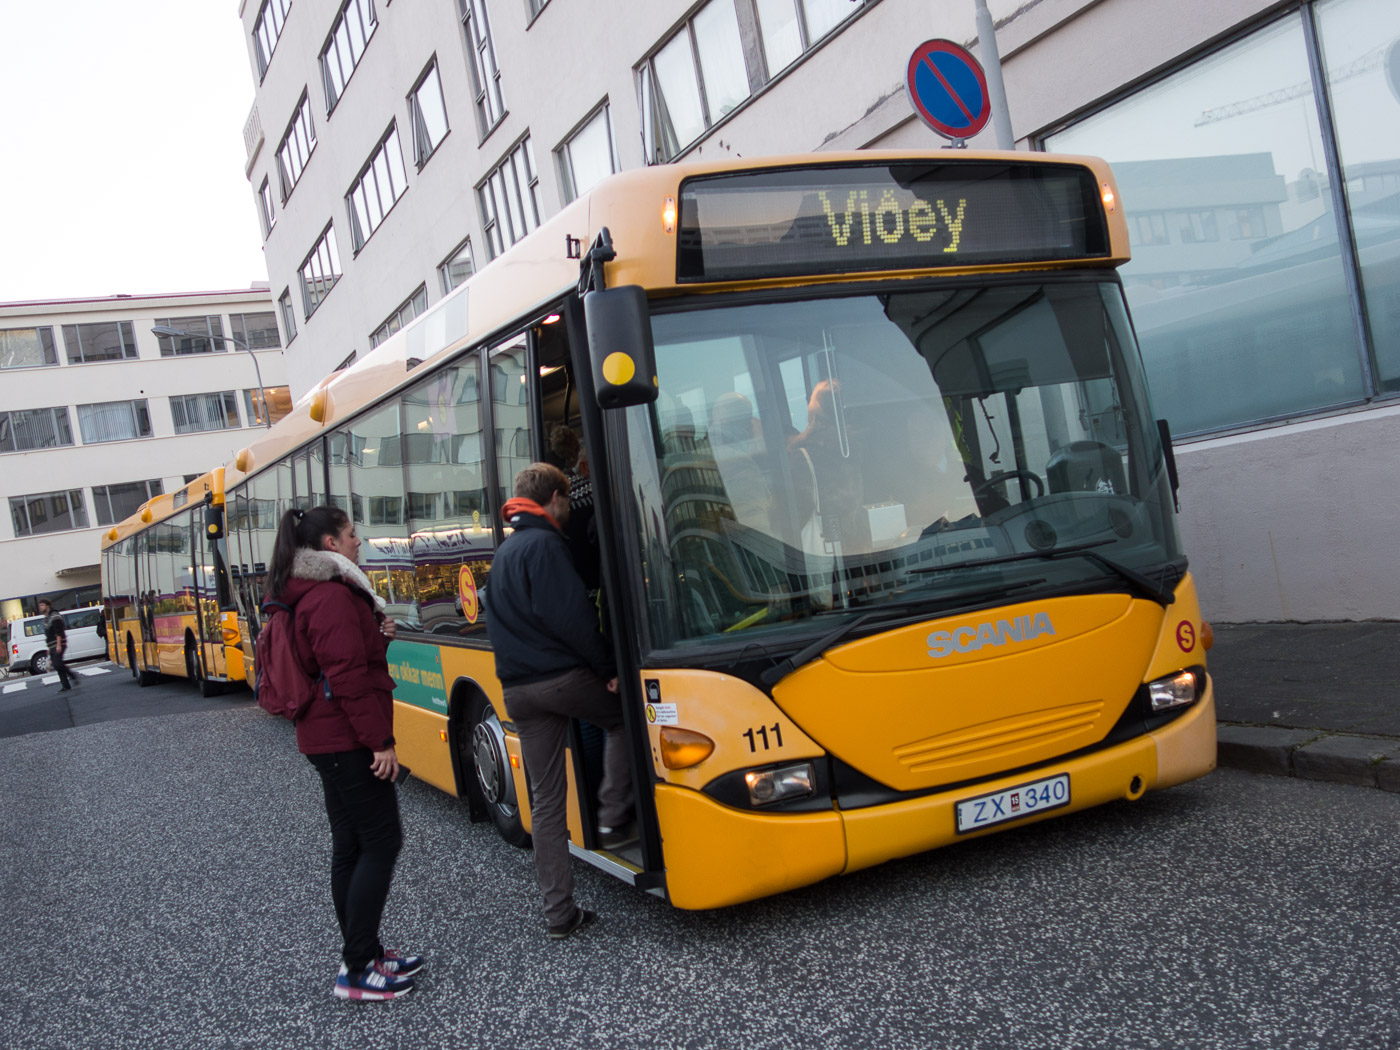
x: 1311, y: 754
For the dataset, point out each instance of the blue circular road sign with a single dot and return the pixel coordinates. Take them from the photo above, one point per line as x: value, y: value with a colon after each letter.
x: 948, y: 89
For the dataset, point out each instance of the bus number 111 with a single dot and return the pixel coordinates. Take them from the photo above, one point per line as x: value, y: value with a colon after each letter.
x: 762, y: 734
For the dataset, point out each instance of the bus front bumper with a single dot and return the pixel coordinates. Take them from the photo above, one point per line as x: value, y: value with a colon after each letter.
x: 717, y: 855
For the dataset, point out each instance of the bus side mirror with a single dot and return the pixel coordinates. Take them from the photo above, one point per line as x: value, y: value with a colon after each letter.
x: 1165, y: 433
x: 620, y: 347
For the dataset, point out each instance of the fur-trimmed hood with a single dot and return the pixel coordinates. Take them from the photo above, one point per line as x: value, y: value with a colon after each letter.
x: 320, y: 566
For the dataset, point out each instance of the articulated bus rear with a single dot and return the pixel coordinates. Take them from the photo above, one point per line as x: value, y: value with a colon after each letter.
x: 165, y: 589
x: 909, y: 566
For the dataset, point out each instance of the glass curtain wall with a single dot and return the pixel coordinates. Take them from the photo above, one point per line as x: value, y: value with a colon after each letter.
x: 1240, y: 288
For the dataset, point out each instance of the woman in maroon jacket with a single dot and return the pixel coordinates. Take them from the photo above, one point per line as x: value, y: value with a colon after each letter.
x: 341, y: 632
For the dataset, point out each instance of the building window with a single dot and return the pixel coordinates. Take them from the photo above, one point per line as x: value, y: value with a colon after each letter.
x: 114, y: 421
x: 380, y: 183
x: 1198, y: 226
x: 116, y: 503
x: 457, y: 267
x: 682, y: 97
x: 196, y: 412
x: 415, y: 306
x: 43, y: 512
x: 350, y: 360
x: 110, y: 341
x: 790, y: 27
x: 713, y: 63
x: 1147, y: 229
x: 279, y: 405
x: 1237, y: 331
x: 256, y: 331
x: 350, y: 35
x: 289, y: 321
x: 268, y: 29
x: 587, y: 155
x: 295, y: 148
x: 509, y: 199
x: 386, y: 510
x: 534, y: 7
x: 319, y: 272
x: 27, y: 347
x: 486, y: 78
x: 429, y: 114
x: 203, y: 335
x: 1248, y: 224
x: 33, y: 428
x: 265, y: 209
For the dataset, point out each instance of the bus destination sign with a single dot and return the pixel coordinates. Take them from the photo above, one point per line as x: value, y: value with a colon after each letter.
x: 854, y: 219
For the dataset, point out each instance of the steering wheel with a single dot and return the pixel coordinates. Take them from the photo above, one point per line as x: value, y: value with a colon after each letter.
x: 1006, y: 475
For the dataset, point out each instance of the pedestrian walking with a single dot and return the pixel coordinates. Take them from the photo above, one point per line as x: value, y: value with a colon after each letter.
x: 555, y: 665
x: 340, y: 633
x: 56, y: 638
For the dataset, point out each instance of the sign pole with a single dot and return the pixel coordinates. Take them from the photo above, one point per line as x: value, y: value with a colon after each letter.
x: 991, y: 62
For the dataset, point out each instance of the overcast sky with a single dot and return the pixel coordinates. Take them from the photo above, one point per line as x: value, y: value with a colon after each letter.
x: 123, y: 134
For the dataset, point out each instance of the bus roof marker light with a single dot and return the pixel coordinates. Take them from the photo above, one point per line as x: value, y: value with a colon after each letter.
x: 1110, y: 199
x: 668, y: 215
x: 683, y: 748
x: 551, y: 319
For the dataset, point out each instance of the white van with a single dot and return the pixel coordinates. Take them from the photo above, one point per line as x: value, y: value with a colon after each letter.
x: 29, y: 652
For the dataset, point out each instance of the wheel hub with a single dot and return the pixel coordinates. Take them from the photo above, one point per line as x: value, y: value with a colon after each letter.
x: 490, y: 773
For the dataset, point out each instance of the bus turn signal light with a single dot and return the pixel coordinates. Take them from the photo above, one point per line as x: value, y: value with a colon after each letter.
x: 668, y: 215
x: 681, y: 748
x: 1207, y: 635
x: 1110, y: 201
x: 232, y: 636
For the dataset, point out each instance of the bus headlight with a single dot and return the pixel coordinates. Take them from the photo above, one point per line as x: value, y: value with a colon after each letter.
x: 1173, y: 691
x: 775, y: 785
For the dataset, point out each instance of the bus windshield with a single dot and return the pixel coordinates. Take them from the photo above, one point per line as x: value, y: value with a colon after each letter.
x: 934, y: 448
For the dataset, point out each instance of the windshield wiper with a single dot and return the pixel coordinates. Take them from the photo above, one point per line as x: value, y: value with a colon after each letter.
x: 809, y: 653
x: 1143, y: 585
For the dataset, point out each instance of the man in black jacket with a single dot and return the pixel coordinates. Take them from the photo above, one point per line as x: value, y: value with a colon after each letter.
x: 555, y: 665
x: 56, y: 638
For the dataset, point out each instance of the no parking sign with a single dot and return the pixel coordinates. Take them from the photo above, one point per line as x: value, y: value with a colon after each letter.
x: 948, y: 89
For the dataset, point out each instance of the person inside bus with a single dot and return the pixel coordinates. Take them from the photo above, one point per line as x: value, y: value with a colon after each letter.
x: 828, y: 451
x: 554, y: 665
x: 341, y: 631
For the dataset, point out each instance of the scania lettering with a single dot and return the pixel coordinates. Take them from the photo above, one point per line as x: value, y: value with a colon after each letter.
x: 968, y: 639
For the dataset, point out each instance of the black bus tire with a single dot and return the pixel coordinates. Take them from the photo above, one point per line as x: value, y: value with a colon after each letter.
x: 485, y: 765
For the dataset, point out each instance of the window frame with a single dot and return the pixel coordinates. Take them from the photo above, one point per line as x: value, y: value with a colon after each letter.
x: 48, y: 348
x: 332, y: 46
x: 214, y: 335
x: 563, y: 153
x: 397, y: 320
x: 484, y: 86
x: 266, y: 211
x: 444, y: 267
x: 488, y: 206
x: 238, y: 325
x: 327, y: 239
x: 126, y: 332
x: 228, y: 400
x: 280, y: 8
x: 153, y: 486
x: 61, y: 424
x: 415, y: 115
x: 140, y: 411
x: 307, y: 138
x: 371, y: 170
x: 75, y: 500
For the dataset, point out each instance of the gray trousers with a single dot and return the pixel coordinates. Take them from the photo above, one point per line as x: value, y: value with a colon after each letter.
x: 541, y: 711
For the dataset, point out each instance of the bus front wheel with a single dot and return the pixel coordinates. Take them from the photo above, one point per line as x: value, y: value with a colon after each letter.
x: 485, y: 764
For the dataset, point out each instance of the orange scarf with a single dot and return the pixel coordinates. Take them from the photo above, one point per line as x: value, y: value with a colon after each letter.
x: 521, y: 505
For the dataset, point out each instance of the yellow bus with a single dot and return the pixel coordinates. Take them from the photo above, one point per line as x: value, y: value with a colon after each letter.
x: 885, y: 526
x: 167, y: 604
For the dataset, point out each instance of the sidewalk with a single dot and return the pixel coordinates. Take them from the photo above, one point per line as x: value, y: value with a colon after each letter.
x: 1313, y: 700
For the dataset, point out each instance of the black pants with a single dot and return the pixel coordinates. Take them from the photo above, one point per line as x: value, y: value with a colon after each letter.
x: 365, y: 840
x: 59, y: 665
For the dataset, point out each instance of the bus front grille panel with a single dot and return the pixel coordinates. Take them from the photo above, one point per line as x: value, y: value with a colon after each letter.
x: 1032, y: 731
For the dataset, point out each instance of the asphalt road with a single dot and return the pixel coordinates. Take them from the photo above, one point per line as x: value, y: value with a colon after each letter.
x: 164, y: 886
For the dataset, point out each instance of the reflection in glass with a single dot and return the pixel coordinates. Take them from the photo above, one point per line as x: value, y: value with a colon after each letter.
x: 451, y: 535
x: 375, y: 447
x: 782, y: 37
x: 824, y: 458
x: 510, y: 400
x: 679, y: 91
x: 1361, y: 49
x: 1240, y: 304
x: 721, y: 57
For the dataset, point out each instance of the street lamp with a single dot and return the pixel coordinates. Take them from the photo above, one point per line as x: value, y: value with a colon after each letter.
x: 165, y: 329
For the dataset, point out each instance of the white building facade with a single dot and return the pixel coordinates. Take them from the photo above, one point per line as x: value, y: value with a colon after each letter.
x: 394, y: 146
x: 98, y: 414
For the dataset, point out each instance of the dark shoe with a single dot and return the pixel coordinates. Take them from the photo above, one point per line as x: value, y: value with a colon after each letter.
x: 582, y: 917
x: 616, y: 838
x: 371, y: 984
x: 398, y: 964
x: 65, y: 689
